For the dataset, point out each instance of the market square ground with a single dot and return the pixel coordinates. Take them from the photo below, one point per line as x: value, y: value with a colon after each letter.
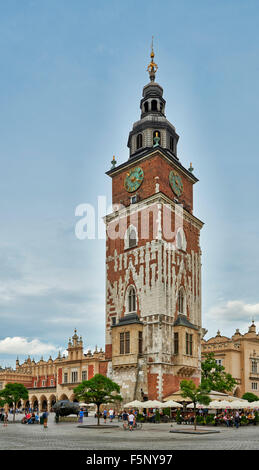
x: 67, y: 436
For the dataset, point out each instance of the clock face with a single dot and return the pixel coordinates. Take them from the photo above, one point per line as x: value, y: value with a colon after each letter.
x: 134, y: 179
x: 176, y: 183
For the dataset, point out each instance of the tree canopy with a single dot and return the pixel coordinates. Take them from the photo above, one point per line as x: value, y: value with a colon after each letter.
x: 214, y: 377
x: 98, y: 390
x: 12, y: 394
x: 250, y: 397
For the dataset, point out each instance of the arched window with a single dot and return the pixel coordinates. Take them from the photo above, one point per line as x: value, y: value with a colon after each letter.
x: 181, y: 302
x: 146, y: 107
x: 131, y: 300
x: 131, y: 237
x: 154, y: 105
x: 172, y: 143
x: 181, y: 240
x: 139, y: 141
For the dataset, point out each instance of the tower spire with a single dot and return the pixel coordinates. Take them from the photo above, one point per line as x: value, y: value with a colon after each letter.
x: 152, y: 66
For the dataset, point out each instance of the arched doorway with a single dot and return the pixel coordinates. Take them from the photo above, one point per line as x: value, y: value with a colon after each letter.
x: 52, y: 401
x: 34, y: 404
x: 43, y: 403
x: 27, y: 405
x: 63, y: 397
x: 237, y: 393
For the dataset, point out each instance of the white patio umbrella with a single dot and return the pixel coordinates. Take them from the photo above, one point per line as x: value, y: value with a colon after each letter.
x: 226, y: 404
x: 199, y: 406
x: 215, y: 405
x: 253, y: 405
x: 237, y: 404
x: 152, y: 404
x: 134, y: 404
x: 171, y: 404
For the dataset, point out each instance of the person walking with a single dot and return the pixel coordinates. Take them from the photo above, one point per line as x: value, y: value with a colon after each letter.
x: 5, y: 419
x: 81, y: 416
x: 125, y: 416
x: 111, y: 415
x: 131, y: 419
x: 45, y: 419
x: 105, y: 415
x: 236, y: 419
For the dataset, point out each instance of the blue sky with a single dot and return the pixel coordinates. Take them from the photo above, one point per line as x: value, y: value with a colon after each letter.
x: 71, y: 80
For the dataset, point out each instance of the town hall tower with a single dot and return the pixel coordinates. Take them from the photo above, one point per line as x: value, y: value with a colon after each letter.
x: 153, y: 260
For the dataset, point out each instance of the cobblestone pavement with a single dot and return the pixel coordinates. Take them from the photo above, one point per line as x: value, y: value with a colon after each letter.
x: 151, y: 437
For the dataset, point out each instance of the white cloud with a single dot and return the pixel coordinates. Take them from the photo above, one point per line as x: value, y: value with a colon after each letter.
x: 19, y: 345
x: 234, y: 310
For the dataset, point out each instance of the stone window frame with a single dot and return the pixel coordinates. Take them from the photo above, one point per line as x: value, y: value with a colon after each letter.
x: 182, y: 309
x: 127, y: 306
x: 182, y: 245
x: 127, y: 237
x: 84, y: 372
x: 189, y: 344
x: 124, y: 342
x: 254, y: 366
x: 141, y: 137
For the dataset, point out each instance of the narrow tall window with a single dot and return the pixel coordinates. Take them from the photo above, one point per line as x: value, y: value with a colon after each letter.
x: 188, y: 344
x: 140, y: 342
x: 146, y: 107
x: 121, y: 343
x: 132, y: 300
x: 176, y: 343
x: 65, y: 377
x: 84, y: 375
x: 132, y: 238
x: 139, y: 141
x: 125, y: 343
x: 154, y: 105
x: 172, y: 143
x: 181, y: 301
x: 74, y: 377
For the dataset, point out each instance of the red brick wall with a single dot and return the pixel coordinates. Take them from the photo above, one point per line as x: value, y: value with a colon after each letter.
x: 60, y: 375
x: 90, y: 371
x: 103, y: 366
x: 152, y: 386
x: 171, y: 383
x: 108, y: 351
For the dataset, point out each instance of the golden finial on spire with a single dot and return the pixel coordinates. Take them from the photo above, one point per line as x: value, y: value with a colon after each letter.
x: 152, y: 66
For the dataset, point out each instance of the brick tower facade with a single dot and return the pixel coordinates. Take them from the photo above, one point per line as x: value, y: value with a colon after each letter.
x: 153, y: 260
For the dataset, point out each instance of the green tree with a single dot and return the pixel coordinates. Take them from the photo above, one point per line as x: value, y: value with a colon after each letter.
x: 98, y: 390
x: 198, y: 394
x: 12, y: 394
x: 214, y: 376
x: 250, y: 397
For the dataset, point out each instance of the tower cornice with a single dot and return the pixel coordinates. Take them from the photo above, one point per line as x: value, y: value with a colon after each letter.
x: 149, y: 153
x: 157, y: 198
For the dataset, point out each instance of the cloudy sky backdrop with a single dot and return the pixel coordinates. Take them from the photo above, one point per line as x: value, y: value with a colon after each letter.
x: 71, y: 80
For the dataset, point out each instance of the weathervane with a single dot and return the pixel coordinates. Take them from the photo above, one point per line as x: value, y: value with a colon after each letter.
x: 152, y: 66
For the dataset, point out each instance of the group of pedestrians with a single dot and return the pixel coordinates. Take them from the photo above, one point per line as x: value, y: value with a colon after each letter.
x: 110, y: 413
x: 231, y: 419
x: 129, y: 419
